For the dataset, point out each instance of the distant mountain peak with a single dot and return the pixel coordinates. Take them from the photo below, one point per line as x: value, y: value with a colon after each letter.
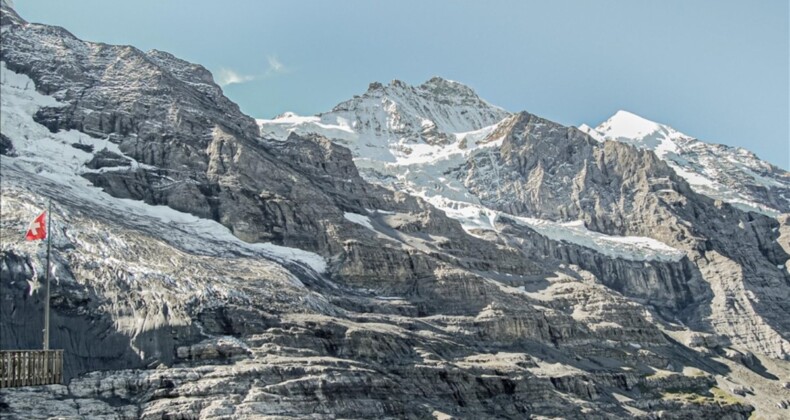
x: 375, y: 86
x: 730, y: 174
x: 438, y: 80
x: 441, y: 86
x: 399, y: 84
x: 435, y: 86
x: 629, y: 125
x: 399, y: 108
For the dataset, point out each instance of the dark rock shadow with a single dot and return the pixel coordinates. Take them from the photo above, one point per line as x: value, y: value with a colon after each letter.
x: 89, y: 337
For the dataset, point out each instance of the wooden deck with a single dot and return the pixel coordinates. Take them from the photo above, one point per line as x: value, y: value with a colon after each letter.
x: 30, y: 367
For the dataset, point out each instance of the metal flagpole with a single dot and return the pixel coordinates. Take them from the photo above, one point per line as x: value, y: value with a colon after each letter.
x: 46, y: 305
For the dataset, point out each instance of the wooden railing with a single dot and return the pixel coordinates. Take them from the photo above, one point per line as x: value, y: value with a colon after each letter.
x: 30, y: 367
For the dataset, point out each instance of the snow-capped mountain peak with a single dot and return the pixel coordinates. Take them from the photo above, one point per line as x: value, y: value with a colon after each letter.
x: 730, y: 174
x: 449, y: 106
x: 629, y: 125
x: 389, y: 122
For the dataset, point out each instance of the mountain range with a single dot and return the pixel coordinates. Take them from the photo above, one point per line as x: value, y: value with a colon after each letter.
x: 415, y: 252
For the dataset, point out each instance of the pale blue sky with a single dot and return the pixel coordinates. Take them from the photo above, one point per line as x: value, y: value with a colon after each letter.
x: 714, y: 69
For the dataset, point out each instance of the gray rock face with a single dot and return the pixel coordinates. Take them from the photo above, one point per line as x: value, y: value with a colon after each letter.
x: 107, y: 159
x: 549, y: 171
x: 203, y: 271
x: 670, y: 285
x: 6, y: 146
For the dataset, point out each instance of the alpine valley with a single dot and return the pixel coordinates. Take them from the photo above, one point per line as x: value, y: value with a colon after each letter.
x: 415, y: 252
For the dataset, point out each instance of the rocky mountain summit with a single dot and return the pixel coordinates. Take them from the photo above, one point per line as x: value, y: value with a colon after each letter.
x: 730, y: 174
x: 387, y: 122
x: 414, y: 253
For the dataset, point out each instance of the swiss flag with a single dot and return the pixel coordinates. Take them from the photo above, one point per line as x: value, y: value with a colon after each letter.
x: 38, y: 228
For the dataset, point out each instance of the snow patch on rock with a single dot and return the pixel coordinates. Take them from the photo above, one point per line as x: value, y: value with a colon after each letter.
x: 51, y: 156
x: 358, y: 219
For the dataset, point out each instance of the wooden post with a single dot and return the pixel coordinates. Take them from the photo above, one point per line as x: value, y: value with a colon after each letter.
x: 59, y: 370
x: 46, y: 303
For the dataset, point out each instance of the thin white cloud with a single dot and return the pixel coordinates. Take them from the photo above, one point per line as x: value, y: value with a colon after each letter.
x: 226, y: 76
x: 275, y: 65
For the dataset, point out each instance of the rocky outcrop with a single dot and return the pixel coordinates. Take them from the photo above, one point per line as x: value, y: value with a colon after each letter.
x: 397, y: 379
x: 6, y: 146
x: 107, y: 159
x: 672, y: 285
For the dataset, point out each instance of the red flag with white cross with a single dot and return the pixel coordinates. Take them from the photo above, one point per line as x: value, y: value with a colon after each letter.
x: 38, y: 228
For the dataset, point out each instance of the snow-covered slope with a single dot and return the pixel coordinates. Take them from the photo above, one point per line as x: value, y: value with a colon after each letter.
x: 733, y: 175
x: 632, y: 248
